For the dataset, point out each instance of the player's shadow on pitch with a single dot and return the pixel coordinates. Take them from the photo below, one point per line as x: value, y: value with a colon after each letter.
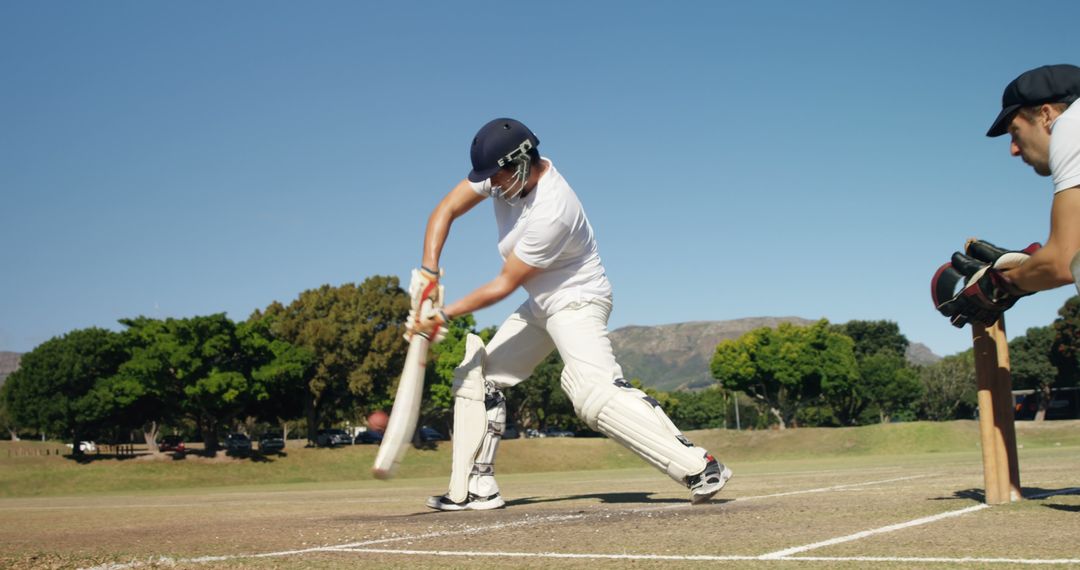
x: 970, y: 494
x: 606, y: 498
x: 979, y: 495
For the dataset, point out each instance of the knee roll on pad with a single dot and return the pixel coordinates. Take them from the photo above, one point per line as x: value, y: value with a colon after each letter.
x: 636, y: 421
x: 469, y: 375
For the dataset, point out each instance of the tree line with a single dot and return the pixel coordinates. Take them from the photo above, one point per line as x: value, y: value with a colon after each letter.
x: 334, y: 355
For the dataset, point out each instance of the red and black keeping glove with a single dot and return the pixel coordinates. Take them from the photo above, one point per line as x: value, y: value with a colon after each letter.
x: 986, y: 290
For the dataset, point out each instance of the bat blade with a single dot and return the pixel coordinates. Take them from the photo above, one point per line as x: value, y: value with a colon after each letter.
x: 405, y: 412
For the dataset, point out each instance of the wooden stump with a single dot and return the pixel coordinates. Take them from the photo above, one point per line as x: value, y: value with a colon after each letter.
x: 997, y: 430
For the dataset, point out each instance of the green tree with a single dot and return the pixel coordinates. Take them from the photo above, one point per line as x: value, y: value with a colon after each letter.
x: 540, y: 402
x: 872, y: 337
x: 949, y: 390
x: 277, y: 370
x: 702, y: 409
x: 6, y: 420
x: 786, y: 368
x: 47, y: 391
x: 886, y: 385
x: 354, y: 334
x: 191, y: 368
x: 1031, y: 365
x: 1065, y: 350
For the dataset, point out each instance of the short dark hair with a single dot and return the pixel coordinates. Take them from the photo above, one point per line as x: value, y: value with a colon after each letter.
x: 1031, y: 112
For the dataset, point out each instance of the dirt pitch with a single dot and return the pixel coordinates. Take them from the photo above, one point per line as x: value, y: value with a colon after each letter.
x: 894, y: 512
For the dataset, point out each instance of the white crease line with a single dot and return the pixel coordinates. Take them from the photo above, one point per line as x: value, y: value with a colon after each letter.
x: 546, y: 554
x: 703, y: 557
x: 344, y: 547
x: 471, y: 530
x: 789, y: 493
x: 1070, y: 491
x: 900, y: 526
x: 933, y: 518
x: 357, y: 546
x: 331, y: 548
x: 834, y: 487
x: 965, y: 560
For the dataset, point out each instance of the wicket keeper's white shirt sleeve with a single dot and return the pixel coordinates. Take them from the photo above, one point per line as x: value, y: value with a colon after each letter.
x: 1065, y: 149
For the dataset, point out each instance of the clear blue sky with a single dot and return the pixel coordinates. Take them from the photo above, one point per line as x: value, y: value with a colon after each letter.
x: 814, y: 159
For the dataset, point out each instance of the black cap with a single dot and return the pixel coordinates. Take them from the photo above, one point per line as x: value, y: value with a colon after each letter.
x: 495, y: 140
x: 1046, y: 84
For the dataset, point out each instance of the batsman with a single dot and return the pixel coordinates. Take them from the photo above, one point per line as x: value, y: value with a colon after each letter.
x: 548, y: 247
x: 1043, y: 123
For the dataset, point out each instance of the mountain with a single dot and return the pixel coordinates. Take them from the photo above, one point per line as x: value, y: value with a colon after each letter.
x: 919, y: 353
x: 677, y: 356
x: 9, y: 362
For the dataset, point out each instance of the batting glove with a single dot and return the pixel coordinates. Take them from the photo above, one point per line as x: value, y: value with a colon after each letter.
x: 423, y: 285
x: 429, y: 322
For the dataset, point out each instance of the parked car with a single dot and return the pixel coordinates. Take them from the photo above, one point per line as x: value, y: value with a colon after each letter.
x: 171, y: 443
x: 533, y: 433
x: 271, y: 443
x: 511, y: 432
x: 369, y: 436
x: 431, y: 434
x: 332, y: 437
x: 85, y: 446
x: 237, y: 443
x: 557, y: 432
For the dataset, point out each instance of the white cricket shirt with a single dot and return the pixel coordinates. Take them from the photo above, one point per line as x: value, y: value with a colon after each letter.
x: 548, y: 229
x: 1065, y: 149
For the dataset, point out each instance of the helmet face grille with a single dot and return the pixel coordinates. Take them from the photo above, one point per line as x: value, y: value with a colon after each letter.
x: 512, y: 194
x: 500, y: 144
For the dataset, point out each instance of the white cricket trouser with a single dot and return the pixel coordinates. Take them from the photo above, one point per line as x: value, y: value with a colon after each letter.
x: 578, y: 331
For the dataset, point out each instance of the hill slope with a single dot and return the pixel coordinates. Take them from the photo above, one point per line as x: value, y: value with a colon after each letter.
x: 9, y: 362
x: 676, y: 356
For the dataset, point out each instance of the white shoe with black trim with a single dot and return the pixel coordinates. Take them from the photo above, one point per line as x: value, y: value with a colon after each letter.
x: 471, y: 503
x: 709, y: 482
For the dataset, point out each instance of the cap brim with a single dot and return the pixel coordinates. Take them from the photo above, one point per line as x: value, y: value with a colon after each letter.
x: 482, y: 175
x: 1001, y: 123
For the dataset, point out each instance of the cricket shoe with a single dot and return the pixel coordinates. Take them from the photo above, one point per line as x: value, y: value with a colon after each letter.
x: 709, y: 482
x: 471, y: 503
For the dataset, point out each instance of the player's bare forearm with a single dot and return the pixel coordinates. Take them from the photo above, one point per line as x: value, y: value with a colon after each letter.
x: 482, y: 297
x: 455, y: 204
x: 1049, y: 267
x: 513, y: 274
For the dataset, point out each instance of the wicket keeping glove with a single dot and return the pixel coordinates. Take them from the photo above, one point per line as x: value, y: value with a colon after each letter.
x: 987, y: 291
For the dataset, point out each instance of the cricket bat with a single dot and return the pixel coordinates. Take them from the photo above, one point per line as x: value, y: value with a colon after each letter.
x: 405, y: 412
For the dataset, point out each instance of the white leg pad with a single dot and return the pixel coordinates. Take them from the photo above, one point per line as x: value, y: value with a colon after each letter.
x: 632, y: 418
x: 470, y: 418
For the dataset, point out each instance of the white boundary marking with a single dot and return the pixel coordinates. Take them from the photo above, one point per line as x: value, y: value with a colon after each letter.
x: 785, y: 555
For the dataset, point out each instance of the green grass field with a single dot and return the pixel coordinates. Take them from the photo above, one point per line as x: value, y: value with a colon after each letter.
x: 52, y: 475
x: 890, y: 496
